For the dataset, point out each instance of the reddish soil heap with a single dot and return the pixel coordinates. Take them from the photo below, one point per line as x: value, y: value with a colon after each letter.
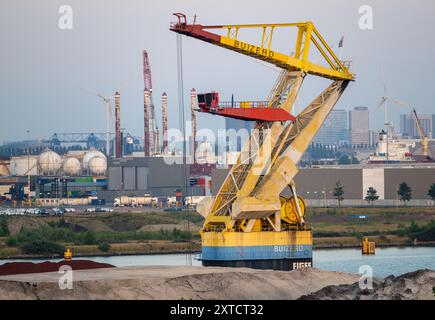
x: 30, y: 267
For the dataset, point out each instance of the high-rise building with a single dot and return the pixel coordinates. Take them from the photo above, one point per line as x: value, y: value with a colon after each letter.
x: 334, y: 130
x: 408, y: 125
x: 359, y: 127
x: 238, y: 131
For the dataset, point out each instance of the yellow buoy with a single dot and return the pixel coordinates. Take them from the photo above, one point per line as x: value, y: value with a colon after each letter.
x: 67, y: 254
x: 368, y: 248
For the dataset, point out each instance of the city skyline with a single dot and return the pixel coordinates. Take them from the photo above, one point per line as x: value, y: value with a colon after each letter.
x: 47, y: 72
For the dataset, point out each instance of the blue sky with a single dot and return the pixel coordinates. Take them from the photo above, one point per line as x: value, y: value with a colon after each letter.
x: 46, y: 72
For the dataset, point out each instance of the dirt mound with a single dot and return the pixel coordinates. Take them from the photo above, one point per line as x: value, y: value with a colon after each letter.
x: 173, y: 282
x: 94, y: 225
x: 418, y: 285
x: 12, y: 268
x: 16, y: 224
x: 182, y: 225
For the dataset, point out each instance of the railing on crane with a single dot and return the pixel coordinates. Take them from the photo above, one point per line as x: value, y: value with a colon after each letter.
x: 244, y: 104
x: 242, y: 110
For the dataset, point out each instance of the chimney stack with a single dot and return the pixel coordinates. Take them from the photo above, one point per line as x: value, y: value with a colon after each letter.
x: 165, y: 122
x: 156, y: 141
x: 118, y: 151
x: 151, y: 132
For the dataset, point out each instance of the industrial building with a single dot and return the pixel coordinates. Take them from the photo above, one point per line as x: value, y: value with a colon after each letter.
x: 319, y: 183
x: 77, y: 174
x: 157, y: 176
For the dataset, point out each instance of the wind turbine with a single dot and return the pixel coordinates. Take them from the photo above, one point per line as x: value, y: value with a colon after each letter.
x: 384, y: 103
x: 107, y: 101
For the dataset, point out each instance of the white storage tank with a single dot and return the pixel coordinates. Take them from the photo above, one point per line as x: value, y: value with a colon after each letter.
x: 4, y: 171
x: 91, y: 154
x: 4, y: 167
x: 97, y: 166
x: 49, y: 162
x: 72, y: 167
x: 24, y: 165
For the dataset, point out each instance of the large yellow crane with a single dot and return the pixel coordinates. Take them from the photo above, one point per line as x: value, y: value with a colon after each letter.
x: 249, y: 223
x: 423, y: 136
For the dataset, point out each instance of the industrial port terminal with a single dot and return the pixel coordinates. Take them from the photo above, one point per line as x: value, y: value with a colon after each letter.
x: 252, y: 202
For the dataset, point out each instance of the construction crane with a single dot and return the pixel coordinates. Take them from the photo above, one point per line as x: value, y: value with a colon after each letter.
x: 423, y: 136
x: 249, y: 223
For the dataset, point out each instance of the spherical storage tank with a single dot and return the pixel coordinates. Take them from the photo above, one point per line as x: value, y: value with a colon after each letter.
x: 97, y: 165
x: 49, y: 162
x: 4, y: 170
x: 91, y: 154
x: 71, y: 166
x: 24, y: 165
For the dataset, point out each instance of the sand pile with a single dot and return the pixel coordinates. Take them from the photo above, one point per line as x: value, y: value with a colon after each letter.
x: 173, y: 282
x: 418, y: 285
x: 180, y: 282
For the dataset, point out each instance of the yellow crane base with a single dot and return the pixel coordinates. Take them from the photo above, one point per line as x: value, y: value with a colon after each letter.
x: 284, y: 250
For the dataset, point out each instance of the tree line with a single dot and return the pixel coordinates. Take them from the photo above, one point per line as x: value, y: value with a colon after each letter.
x: 404, y: 193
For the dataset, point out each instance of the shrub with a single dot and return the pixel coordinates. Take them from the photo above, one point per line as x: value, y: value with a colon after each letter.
x: 358, y: 235
x: 11, y: 242
x: 104, y: 246
x: 89, y: 238
x: 4, y: 230
x: 42, y: 247
x: 426, y: 233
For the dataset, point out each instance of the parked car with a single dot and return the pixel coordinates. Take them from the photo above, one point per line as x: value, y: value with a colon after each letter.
x: 32, y: 211
x: 103, y: 210
x: 70, y: 210
x: 44, y: 212
x: 58, y: 211
x: 90, y: 210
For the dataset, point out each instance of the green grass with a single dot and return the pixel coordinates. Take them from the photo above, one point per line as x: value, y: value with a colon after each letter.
x: 134, y: 220
x: 65, y: 235
x: 44, y: 234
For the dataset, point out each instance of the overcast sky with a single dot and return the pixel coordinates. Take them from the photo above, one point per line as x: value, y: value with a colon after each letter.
x: 46, y: 72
